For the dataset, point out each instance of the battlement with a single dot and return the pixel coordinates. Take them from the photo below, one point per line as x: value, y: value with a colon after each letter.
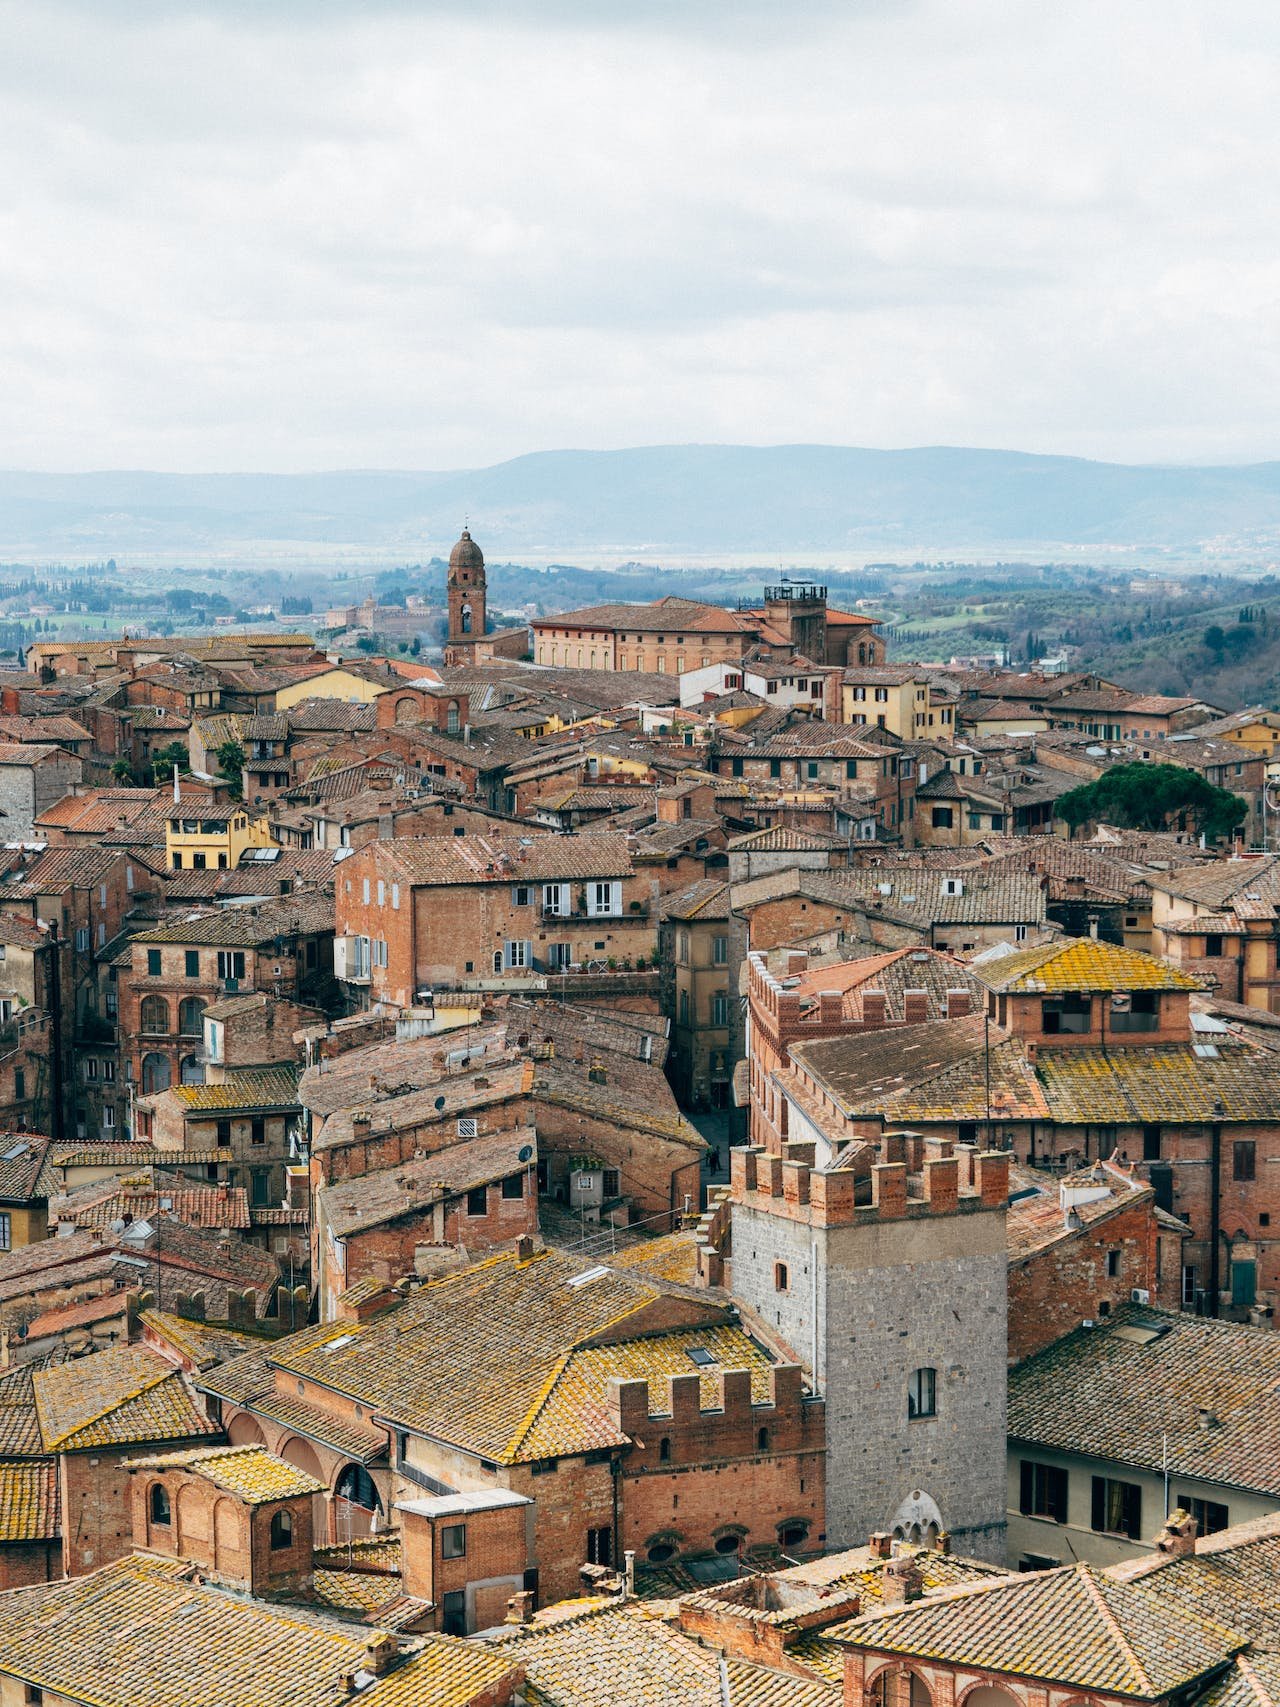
x: 671, y: 1426
x: 908, y: 1176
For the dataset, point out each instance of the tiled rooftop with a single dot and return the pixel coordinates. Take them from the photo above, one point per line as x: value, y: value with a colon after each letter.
x: 29, y: 1509
x: 1143, y: 1378
x: 115, y: 1398
x: 1073, y: 1626
x: 251, y: 1473
x: 1080, y: 964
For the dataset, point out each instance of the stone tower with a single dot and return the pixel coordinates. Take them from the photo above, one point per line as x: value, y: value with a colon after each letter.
x: 886, y: 1272
x: 466, y: 592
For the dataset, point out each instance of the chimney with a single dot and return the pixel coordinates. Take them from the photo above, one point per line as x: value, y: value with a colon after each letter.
x: 874, y: 1009
x: 881, y: 1544
x: 520, y: 1608
x: 361, y: 1122
x: 629, y: 1572
x: 524, y: 1248
x: 379, y: 1651
x: 1177, y: 1539
x: 901, y: 1581
x: 915, y: 1004
x: 957, y: 1004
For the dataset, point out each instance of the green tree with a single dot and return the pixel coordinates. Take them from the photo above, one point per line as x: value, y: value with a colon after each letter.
x: 1214, y: 638
x: 165, y: 759
x: 1154, y: 797
x: 230, y: 757
x: 122, y: 771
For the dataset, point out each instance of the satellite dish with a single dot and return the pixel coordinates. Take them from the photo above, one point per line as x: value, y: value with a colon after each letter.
x: 526, y: 1153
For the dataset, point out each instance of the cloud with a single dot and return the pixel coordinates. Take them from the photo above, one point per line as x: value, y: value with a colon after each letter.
x: 388, y: 234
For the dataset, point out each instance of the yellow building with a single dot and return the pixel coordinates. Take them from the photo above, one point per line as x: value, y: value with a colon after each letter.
x: 203, y: 837
x: 337, y: 683
x: 898, y: 698
x: 1256, y: 729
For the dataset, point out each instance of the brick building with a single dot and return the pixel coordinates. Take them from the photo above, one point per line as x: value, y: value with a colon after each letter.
x: 174, y: 971
x: 414, y: 914
x: 621, y: 1408
x: 673, y: 634
x: 696, y: 961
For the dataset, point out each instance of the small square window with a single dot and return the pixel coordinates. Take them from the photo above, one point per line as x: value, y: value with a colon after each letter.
x: 453, y: 1541
x: 513, y: 1186
x: 478, y: 1200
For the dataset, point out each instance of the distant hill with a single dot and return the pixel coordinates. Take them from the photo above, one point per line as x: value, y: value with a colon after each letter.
x: 668, y: 499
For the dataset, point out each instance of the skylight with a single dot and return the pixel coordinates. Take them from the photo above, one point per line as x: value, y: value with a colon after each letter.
x: 587, y: 1276
x: 700, y: 1355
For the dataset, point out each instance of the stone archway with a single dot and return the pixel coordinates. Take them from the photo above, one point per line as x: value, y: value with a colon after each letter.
x: 898, y: 1686
x: 243, y: 1430
x: 303, y: 1456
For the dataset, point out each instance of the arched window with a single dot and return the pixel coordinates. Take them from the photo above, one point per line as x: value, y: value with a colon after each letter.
x: 159, y: 1503
x: 156, y: 1074
x: 728, y: 1543
x: 762, y: 1440
x: 190, y: 1016
x: 281, y: 1530
x: 660, y: 1552
x: 664, y: 1449
x: 355, y: 1485
x: 154, y: 1016
x: 190, y: 1070
x: 466, y: 619
x: 793, y: 1534
x: 453, y: 718
x: 922, y: 1393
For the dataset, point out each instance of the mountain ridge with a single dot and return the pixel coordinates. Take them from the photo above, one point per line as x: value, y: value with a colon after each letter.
x: 667, y: 499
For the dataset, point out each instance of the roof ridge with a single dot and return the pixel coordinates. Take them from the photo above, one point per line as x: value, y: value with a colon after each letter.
x: 1094, y: 1591
x: 525, y: 1427
x: 97, y: 1416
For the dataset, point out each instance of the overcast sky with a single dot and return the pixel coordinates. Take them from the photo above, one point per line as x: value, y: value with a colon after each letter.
x: 349, y: 233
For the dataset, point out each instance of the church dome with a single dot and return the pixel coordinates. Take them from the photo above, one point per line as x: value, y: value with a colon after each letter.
x: 466, y: 554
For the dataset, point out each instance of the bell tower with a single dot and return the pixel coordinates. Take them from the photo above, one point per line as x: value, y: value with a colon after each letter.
x: 466, y: 592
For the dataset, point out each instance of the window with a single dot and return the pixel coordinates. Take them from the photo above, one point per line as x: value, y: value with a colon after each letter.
x: 108, y: 1117
x: 153, y: 963
x: 1244, y: 1159
x: 513, y: 1186
x: 1070, y: 1014
x: 1135, y: 1010
x: 720, y: 1008
x: 258, y: 1130
x: 281, y: 1530
x: 922, y: 1393
x: 684, y: 1007
x: 780, y: 1277
x: 522, y: 895
x: 600, y: 1546
x: 720, y: 951
x: 664, y: 1449
x: 793, y: 1534
x: 191, y: 1016
x: 942, y: 818
x: 154, y: 1016
x: 230, y: 963
x: 728, y: 1543
x: 1044, y: 1491
x: 478, y: 1200
x: 1188, y: 1286
x: 1151, y: 1143
x: 454, y: 1608
x: 159, y: 1503
x: 660, y: 1552
x: 516, y: 955
x: 1113, y: 1265
x: 555, y: 899
x: 1213, y: 946
x: 260, y: 1188
x: 453, y: 1541
x: 224, y: 1133
x: 604, y: 899
x: 1117, y: 1508
x: 682, y: 947
x: 91, y: 1068
x: 1209, y: 1515
x: 6, y: 1231
x: 20, y: 1081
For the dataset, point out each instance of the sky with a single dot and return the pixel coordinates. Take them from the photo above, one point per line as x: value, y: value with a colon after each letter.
x: 313, y: 234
